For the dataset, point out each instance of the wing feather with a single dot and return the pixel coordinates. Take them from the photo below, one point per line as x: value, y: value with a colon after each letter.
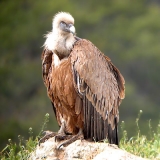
x: 100, y: 83
x: 46, y: 58
x: 99, y: 74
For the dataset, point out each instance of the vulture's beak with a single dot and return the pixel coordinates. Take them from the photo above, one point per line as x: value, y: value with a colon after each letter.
x: 72, y: 29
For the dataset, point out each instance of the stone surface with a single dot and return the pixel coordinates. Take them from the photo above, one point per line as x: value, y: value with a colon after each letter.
x: 80, y: 150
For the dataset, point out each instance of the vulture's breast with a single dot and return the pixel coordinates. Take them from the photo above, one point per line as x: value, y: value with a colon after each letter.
x: 63, y: 94
x: 62, y: 84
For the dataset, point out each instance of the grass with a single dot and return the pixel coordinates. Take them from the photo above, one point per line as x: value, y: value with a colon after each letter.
x: 21, y: 151
x: 142, y: 145
x: 138, y: 145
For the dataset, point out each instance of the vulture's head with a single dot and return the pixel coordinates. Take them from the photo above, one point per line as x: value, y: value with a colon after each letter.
x: 61, y: 39
x: 63, y: 23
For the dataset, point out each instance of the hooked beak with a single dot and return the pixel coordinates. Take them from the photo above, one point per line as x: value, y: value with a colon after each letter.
x: 72, y: 29
x: 67, y: 27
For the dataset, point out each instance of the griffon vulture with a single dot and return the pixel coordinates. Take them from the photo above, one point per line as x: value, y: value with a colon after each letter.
x: 83, y: 85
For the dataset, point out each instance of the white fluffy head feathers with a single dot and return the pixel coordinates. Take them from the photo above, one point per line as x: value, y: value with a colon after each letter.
x: 62, y: 16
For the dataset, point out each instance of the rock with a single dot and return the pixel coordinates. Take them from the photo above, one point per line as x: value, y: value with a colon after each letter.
x: 80, y: 150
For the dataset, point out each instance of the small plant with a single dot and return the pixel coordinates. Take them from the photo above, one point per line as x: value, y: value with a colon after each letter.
x: 140, y: 145
x: 22, y: 150
x: 44, y: 125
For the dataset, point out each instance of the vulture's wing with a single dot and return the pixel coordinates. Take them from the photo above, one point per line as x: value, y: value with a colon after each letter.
x: 101, y: 87
x: 46, y: 58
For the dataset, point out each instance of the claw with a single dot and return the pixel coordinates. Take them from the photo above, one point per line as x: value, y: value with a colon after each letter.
x: 60, y: 146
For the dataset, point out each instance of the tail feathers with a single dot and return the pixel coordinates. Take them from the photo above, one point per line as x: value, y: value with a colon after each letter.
x: 113, y: 134
x: 95, y: 128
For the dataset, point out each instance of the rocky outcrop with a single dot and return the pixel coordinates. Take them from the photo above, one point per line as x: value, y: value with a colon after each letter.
x: 80, y: 150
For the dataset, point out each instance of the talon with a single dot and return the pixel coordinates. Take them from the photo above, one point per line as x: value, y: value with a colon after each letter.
x: 59, y: 147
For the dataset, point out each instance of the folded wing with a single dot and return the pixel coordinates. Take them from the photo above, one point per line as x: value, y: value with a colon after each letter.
x: 101, y: 87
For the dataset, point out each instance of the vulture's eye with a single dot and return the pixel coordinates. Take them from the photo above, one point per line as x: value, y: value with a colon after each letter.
x: 63, y: 23
x: 64, y: 26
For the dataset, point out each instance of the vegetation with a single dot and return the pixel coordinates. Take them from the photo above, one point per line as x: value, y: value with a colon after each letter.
x: 138, y: 145
x: 14, y: 151
x: 126, y: 31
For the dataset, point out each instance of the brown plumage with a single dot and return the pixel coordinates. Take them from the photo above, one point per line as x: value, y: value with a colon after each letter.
x: 84, y: 86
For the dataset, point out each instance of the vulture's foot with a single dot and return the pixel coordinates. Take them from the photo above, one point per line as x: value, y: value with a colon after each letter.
x: 61, y: 137
x: 70, y: 139
x: 47, y: 135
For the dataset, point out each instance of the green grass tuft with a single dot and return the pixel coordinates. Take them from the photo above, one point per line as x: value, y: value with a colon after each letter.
x: 141, y: 145
x: 22, y: 150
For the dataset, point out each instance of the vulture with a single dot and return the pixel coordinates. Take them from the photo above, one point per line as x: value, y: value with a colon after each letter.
x: 83, y: 85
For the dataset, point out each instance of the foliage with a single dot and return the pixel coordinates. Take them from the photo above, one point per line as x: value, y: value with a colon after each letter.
x: 22, y: 150
x: 127, y: 32
x: 139, y: 144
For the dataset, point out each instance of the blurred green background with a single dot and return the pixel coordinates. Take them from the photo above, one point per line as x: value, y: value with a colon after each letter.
x: 125, y: 30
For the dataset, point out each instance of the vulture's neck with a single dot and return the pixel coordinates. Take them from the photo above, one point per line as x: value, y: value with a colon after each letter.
x: 60, y: 44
